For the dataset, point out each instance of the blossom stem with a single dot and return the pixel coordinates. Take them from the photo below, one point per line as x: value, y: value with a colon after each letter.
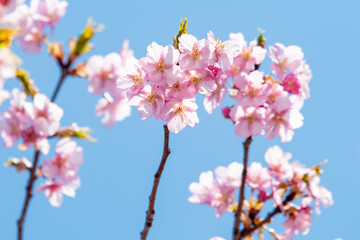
x: 237, y: 222
x: 247, y: 231
x: 28, y: 197
x: 151, y: 212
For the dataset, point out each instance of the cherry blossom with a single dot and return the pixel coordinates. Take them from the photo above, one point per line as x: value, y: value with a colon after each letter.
x: 194, y: 54
x: 282, y: 118
x: 54, y: 191
x: 114, y: 109
x: 285, y: 58
x: 160, y: 64
x: 179, y: 113
x: 103, y: 72
x: 65, y: 163
x: 249, y: 121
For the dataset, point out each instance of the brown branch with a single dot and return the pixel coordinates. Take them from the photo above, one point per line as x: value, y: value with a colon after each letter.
x: 65, y: 70
x: 28, y: 197
x: 151, y: 212
x: 64, y: 73
x: 247, y: 231
x: 237, y: 222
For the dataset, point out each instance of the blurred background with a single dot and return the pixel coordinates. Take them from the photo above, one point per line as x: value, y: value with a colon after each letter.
x: 117, y: 174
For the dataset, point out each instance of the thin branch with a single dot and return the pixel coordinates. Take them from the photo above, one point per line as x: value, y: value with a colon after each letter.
x: 247, y: 231
x: 28, y: 197
x: 237, y: 222
x: 151, y: 212
x: 65, y: 69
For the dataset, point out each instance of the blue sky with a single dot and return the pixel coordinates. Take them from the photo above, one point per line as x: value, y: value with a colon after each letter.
x: 118, y: 170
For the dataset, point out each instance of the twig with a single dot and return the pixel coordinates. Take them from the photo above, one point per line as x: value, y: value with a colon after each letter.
x: 65, y: 70
x: 247, y: 231
x: 151, y: 212
x: 28, y: 196
x: 237, y: 222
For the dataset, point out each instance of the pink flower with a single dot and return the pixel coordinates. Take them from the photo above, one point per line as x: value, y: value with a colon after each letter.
x: 133, y: 78
x: 201, y: 192
x: 10, y: 128
x: 285, y: 58
x: 180, y: 89
x: 54, y: 191
x: 160, y: 64
x: 15, y: 119
x: 292, y: 84
x: 194, y: 54
x: 282, y: 118
x: 229, y: 176
x: 318, y: 193
x: 148, y: 101
x: 222, y: 197
x: 278, y: 162
x: 31, y: 137
x: 201, y: 80
x: 52, y: 11
x: 258, y: 177
x: 125, y: 52
x: 276, y: 91
x: 304, y: 74
x: 65, y: 163
x: 103, y: 73
x: 249, y: 57
x: 179, y: 113
x: 255, y: 92
x: 208, y: 191
x: 33, y: 37
x: 47, y: 115
x: 9, y: 5
x: 299, y: 221
x: 8, y: 65
x: 214, y: 99
x: 249, y: 121
x: 114, y: 109
x: 223, y: 51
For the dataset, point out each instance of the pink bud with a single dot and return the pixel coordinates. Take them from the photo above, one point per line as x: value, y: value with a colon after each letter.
x: 226, y: 112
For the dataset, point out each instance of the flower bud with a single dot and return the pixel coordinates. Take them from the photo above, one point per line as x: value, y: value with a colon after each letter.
x: 20, y: 164
x: 182, y: 30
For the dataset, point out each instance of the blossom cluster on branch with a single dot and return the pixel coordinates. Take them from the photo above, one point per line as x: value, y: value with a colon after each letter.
x: 293, y: 189
x: 165, y: 82
x: 32, y: 117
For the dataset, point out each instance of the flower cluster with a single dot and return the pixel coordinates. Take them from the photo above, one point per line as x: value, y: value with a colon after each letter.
x: 31, y: 20
x: 102, y: 73
x: 165, y: 82
x: 33, y: 122
x: 64, y: 167
x: 263, y: 102
x: 281, y: 181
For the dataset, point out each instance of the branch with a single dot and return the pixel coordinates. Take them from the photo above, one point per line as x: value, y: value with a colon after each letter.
x: 65, y: 69
x: 247, y: 231
x: 237, y: 223
x: 151, y: 212
x: 28, y: 197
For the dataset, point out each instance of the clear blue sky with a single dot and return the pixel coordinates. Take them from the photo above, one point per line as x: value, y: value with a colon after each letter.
x: 118, y: 171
